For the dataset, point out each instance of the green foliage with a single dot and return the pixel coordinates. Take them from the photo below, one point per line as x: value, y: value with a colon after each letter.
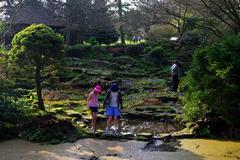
x: 1, y: 27
x: 117, y: 45
x: 49, y: 129
x: 97, y: 49
x: 77, y: 51
x: 153, y: 82
x: 182, y: 86
x: 158, y: 55
x: 213, y: 81
x: 91, y: 41
x: 147, y: 49
x: 156, y: 52
x: 83, y: 51
x: 160, y: 32
x: 5, y: 84
x: 106, y: 37
x: 134, y: 50
x: 37, y: 44
x: 190, y: 38
x: 39, y: 48
x: 13, y: 107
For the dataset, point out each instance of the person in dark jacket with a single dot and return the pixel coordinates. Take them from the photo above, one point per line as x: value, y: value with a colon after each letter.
x: 113, y: 101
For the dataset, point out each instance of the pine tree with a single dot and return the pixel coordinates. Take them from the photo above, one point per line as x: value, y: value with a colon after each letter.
x: 102, y: 27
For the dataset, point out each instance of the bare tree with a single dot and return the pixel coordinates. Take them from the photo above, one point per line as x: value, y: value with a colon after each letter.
x: 226, y: 11
x: 216, y: 16
x: 166, y: 12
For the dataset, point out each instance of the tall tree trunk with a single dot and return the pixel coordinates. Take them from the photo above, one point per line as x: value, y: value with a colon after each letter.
x: 39, y: 88
x: 122, y: 36
x: 68, y: 37
x: 79, y: 37
x: 120, y: 14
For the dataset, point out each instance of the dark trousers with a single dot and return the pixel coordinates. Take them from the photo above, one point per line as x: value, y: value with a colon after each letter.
x: 175, y: 82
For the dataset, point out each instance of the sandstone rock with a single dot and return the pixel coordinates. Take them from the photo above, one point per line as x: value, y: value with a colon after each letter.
x: 162, y: 136
x: 185, y: 133
x: 144, y: 136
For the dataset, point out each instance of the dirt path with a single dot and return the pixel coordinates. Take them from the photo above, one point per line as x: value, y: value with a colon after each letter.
x: 114, y: 150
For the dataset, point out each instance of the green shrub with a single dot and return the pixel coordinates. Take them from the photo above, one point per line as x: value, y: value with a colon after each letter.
x: 37, y: 48
x: 85, y: 51
x: 49, y: 129
x: 213, y: 82
x: 158, y: 56
x: 134, y: 50
x: 160, y: 32
x: 78, y: 51
x: 147, y: 49
x: 12, y: 112
x: 190, y: 38
x: 156, y: 52
x: 98, y: 50
x: 106, y: 37
x: 117, y: 45
x: 92, y: 41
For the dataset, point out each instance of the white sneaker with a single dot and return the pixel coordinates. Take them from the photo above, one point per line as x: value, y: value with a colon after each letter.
x: 117, y: 132
x: 106, y: 131
x: 114, y: 128
x: 93, y: 130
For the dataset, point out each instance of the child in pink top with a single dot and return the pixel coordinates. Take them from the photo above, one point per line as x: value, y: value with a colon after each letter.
x: 93, y: 105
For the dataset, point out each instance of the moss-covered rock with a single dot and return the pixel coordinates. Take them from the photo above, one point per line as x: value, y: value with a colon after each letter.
x: 87, y: 117
x: 72, y: 113
x: 164, y: 116
x: 49, y: 129
x: 57, y: 110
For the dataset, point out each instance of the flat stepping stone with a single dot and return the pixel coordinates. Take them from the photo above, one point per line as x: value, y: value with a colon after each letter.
x: 144, y: 136
x: 185, y: 133
x: 163, y: 136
